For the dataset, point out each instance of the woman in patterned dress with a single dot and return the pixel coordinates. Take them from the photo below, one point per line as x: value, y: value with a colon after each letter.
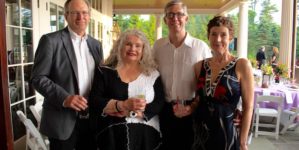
x: 126, y: 97
x: 221, y: 81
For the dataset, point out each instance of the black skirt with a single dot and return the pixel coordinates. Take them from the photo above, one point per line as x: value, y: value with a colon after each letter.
x: 129, y: 136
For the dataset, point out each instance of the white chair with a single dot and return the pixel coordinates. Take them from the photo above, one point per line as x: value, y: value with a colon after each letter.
x: 37, y: 111
x: 267, y: 112
x: 34, y: 139
x: 288, y: 118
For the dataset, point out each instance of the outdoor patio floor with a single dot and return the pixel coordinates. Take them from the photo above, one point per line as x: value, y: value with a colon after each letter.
x: 287, y: 141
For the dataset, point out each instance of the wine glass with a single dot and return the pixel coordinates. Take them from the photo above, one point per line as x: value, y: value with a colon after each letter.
x: 181, y: 105
x: 141, y: 95
x: 84, y: 114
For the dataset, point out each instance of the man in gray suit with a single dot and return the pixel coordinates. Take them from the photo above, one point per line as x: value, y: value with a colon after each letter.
x: 63, y: 73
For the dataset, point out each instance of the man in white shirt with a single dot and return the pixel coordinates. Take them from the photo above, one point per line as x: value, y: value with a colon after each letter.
x: 176, y: 56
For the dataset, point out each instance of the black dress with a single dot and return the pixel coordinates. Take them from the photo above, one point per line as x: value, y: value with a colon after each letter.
x: 127, y: 133
x: 213, y: 124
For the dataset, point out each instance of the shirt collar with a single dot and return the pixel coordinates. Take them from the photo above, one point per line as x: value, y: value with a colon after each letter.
x: 187, y: 41
x: 75, y: 36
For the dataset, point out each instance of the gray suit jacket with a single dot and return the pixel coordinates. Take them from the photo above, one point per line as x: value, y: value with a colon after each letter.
x: 55, y: 76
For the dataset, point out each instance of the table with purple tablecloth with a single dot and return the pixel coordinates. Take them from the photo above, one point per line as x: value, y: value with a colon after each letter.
x: 290, y: 104
x: 290, y: 95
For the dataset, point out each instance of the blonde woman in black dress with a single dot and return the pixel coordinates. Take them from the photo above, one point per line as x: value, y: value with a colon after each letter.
x: 127, y: 96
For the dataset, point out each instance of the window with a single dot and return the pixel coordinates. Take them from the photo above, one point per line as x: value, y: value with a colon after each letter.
x: 91, y: 28
x: 20, y: 60
x: 96, y: 4
x: 100, y: 31
x: 56, y: 17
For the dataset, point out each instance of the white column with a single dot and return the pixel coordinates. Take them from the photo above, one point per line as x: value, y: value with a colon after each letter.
x: 242, y: 45
x: 285, y: 50
x: 158, y: 26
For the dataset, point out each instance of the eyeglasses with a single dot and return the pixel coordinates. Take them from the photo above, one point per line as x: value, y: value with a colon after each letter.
x: 77, y: 13
x: 171, y: 15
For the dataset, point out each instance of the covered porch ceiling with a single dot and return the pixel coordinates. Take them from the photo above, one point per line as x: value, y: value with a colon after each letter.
x: 156, y: 6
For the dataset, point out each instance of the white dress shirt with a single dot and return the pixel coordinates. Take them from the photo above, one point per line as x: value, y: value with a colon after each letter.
x: 176, y: 65
x: 85, y: 63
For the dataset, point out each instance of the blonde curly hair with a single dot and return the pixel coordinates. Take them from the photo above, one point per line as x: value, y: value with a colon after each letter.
x: 275, y: 50
x: 147, y: 61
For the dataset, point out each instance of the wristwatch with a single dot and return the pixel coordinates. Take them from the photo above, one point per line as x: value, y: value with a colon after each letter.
x: 133, y: 114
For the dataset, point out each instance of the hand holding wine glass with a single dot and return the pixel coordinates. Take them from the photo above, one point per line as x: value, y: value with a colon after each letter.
x: 84, y: 113
x: 180, y: 109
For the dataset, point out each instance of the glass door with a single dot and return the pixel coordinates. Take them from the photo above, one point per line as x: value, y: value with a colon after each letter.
x: 56, y: 17
x: 19, y: 41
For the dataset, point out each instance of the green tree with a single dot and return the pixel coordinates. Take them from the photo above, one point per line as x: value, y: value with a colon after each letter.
x: 135, y: 22
x: 261, y: 31
x: 267, y: 30
x: 253, y: 44
x: 148, y: 27
x: 197, y: 26
x: 253, y: 5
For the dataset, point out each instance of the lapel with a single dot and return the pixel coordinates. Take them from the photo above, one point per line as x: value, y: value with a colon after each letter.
x: 93, y: 50
x: 67, y: 42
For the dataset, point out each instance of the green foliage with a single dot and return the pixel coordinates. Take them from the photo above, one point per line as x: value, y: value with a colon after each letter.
x: 150, y: 29
x: 267, y: 69
x: 281, y: 70
x: 253, y: 44
x: 197, y: 26
x: 136, y: 22
x: 262, y: 31
x: 253, y: 62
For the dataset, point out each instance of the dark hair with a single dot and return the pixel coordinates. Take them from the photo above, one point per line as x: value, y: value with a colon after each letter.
x: 66, y: 5
x: 218, y: 21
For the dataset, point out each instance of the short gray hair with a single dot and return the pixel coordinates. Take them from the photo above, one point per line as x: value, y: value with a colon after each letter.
x: 66, y: 5
x: 175, y: 2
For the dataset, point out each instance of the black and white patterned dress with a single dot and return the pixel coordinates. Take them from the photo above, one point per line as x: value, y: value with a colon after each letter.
x: 114, y: 133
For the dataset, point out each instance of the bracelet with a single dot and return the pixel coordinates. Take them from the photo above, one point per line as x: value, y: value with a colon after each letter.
x: 116, y: 107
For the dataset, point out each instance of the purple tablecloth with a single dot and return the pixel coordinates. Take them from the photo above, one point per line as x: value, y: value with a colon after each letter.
x: 277, y: 91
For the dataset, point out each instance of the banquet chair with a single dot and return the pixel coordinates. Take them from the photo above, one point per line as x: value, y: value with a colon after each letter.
x: 288, y: 119
x: 34, y: 139
x: 37, y: 111
x: 267, y: 112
